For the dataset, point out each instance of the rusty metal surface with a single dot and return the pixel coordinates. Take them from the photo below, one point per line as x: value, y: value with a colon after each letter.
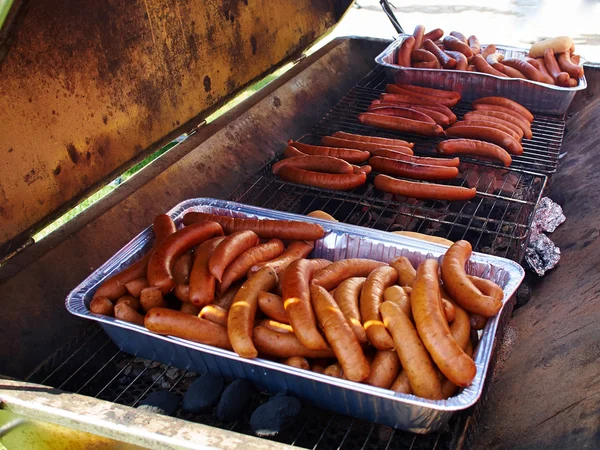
x: 87, y: 87
x: 548, y: 393
x: 209, y: 164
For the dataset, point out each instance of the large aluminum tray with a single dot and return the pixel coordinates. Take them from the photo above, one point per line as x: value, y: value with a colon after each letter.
x: 341, y: 241
x: 538, y: 97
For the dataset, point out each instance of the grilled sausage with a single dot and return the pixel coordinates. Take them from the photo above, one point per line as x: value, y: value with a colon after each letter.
x: 295, y: 250
x: 560, y: 78
x: 426, y: 191
x: 418, y: 35
x: 374, y: 140
x: 404, y: 51
x: 340, y: 182
x: 103, y: 306
x: 442, y: 162
x: 474, y: 44
x: 371, y: 297
x: 487, y: 134
x: 412, y: 170
x: 453, y: 43
x: 331, y: 276
x: 333, y: 141
x: 486, y: 110
x: 347, y: 296
x: 445, y: 60
x: 296, y: 361
x: 272, y: 306
x: 400, y: 124
x: 506, y: 103
x: 127, y: 313
x: 215, y: 314
x: 475, y: 148
x: 202, y: 282
x: 326, y: 164
x: 566, y: 65
x: 284, y: 345
x: 350, y: 155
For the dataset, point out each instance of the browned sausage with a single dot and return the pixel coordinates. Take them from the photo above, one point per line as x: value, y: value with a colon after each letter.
x: 431, y: 191
x: 333, y: 141
x: 215, y: 314
x: 102, y: 305
x: 202, y: 283
x: 347, y: 295
x: 272, y: 306
x: 506, y: 103
x: 494, y: 111
x: 371, y: 297
x: 294, y: 251
x: 225, y: 300
x: 126, y: 313
x: 401, y: 384
x: 189, y: 308
x: 400, y: 124
x: 131, y: 301
x: 229, y: 249
x: 397, y: 94
x: 392, y: 154
x: 400, y: 88
x: 542, y: 68
x: 331, y: 276
x: 284, y: 345
x: 373, y: 140
x: 134, y: 287
x: 152, y: 297
x: 318, y: 163
x: 475, y: 148
x: 384, y: 369
x: 483, y: 66
x: 565, y: 63
x: 458, y: 35
x: 399, y: 296
x: 404, y: 51
x: 400, y: 111
x: 473, y: 116
x: 340, y: 182
x: 488, y: 50
x: 461, y: 60
x: 182, y: 292
x: 484, y: 122
x: 433, y: 35
x: 182, y: 268
x: 296, y: 361
x: 474, y: 44
x: 493, y: 135
x: 412, y: 170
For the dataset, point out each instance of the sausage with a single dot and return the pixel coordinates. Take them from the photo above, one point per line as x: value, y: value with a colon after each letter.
x: 167, y: 252
x: 544, y: 71
x: 433, y: 327
x: 400, y: 111
x: 334, y: 370
x: 229, y: 249
x: 243, y: 310
x: 272, y: 306
x: 182, y: 292
x: 481, y: 65
x: 506, y: 103
x: 319, y: 367
x: 433, y: 35
x: 296, y: 301
x: 445, y: 60
x: 559, y: 77
x: 134, y: 287
x: 406, y: 271
x: 347, y: 295
x: 425, y: 191
x: 398, y: 295
x: 492, y: 135
x: 566, y: 65
x: 295, y: 250
x: 474, y: 44
x: 461, y: 60
x: 332, y: 275
x: 278, y: 327
x: 477, y: 321
x: 460, y: 328
x: 126, y: 313
x: 374, y: 140
x: 333, y: 141
x: 437, y: 107
x: 340, y: 336
x: 460, y: 287
x: 400, y: 124
x: 438, y: 117
x: 182, y: 268
x: 487, y: 287
x: 404, y: 51
x: 458, y: 35
x: 102, y: 305
x: 182, y: 325
x: 215, y: 314
x: 245, y: 261
x: 351, y: 155
x: 473, y: 116
x: 340, y: 182
x: 225, y: 300
x: 525, y: 68
x: 418, y: 35
x: 371, y: 297
x: 189, y: 308
x: 422, y: 55
x: 202, y: 282
x: 449, y: 310
x: 362, y: 169
x: 401, y: 384
x: 499, y: 109
x: 296, y: 361
x: 264, y: 228
x: 488, y: 50
x: 114, y: 287
x: 494, y: 61
x: 416, y: 362
x: 476, y: 148
x: 443, y: 162
x: 486, y: 110
x: 453, y: 43
x: 483, y: 122
x: 412, y: 170
x: 384, y: 369
x: 131, y: 301
x: 284, y: 345
x: 514, y: 73
x: 327, y: 164
x: 290, y: 152
x: 152, y: 297
x: 395, y: 94
x: 398, y: 88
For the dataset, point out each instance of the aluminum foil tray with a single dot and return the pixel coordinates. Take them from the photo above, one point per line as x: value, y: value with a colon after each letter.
x: 538, y: 97
x: 341, y: 241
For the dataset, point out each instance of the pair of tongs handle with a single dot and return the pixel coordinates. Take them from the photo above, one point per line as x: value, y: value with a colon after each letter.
x: 387, y: 9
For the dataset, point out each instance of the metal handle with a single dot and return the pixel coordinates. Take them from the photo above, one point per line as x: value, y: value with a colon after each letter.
x: 387, y: 9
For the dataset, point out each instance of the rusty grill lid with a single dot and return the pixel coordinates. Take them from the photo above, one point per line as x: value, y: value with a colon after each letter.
x: 85, y: 88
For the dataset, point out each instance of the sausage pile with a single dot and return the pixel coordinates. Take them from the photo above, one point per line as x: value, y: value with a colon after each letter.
x: 239, y: 287
x: 551, y: 61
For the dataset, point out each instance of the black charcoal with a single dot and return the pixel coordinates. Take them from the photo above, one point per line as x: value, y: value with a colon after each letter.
x: 203, y: 393
x: 234, y: 401
x: 161, y: 402
x: 270, y: 418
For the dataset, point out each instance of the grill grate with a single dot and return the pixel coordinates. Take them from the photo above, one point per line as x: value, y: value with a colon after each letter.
x: 540, y: 155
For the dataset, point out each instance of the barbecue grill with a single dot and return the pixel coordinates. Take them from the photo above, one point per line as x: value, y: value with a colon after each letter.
x: 231, y: 158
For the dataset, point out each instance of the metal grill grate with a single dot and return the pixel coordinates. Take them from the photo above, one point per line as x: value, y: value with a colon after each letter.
x: 540, y: 154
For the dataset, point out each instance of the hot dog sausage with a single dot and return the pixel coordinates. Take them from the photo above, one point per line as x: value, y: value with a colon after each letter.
x: 374, y: 140
x: 365, y: 146
x: 398, y: 295
x: 297, y: 361
x: 243, y: 263
x: 401, y: 384
x: 229, y: 249
x: 400, y: 111
x: 559, y: 77
x: 371, y: 297
x: 433, y: 327
x: 340, y: 182
x: 445, y: 60
x: 284, y: 345
x: 362, y: 169
x: 394, y: 94
x: 342, y: 339
x: 461, y: 60
x: 458, y: 35
x: 296, y: 301
x: 421, y: 55
x: 434, y: 35
x: 126, y: 313
x: 412, y: 170
x: 453, y: 43
x: 278, y: 327
x: 215, y: 314
x: 566, y: 65
x: 487, y: 287
x: 189, y: 308
x: 474, y: 44
x: 487, y: 134
x: 392, y: 154
x: 483, y: 122
x: 272, y: 306
x: 477, y: 321
x: 437, y: 107
x: 102, y: 305
x: 294, y: 251
x: 243, y: 310
x: 406, y: 271
x: 318, y: 163
x: 525, y: 68
x: 331, y: 276
x: 334, y: 370
x: 264, y: 228
x: 134, y: 287
x: 474, y: 117
x: 460, y: 328
x: 290, y: 152
x: 476, y: 148
x: 182, y: 268
x: 486, y: 110
x: 202, y: 282
x: 131, y: 301
x: 166, y: 253
x: 506, y: 103
x: 225, y: 300
x: 416, y: 362
x: 483, y: 66
x: 404, y: 51
x: 400, y: 124
x: 384, y: 369
x: 431, y: 191
x: 399, y: 88
x: 182, y: 292
x: 488, y: 50
x: 544, y: 71
x: 418, y: 35
x: 351, y: 155
x: 460, y: 287
x: 347, y: 295
x: 152, y: 297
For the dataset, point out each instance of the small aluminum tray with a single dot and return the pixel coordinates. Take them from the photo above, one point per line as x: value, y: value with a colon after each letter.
x: 538, y: 97
x: 341, y: 241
